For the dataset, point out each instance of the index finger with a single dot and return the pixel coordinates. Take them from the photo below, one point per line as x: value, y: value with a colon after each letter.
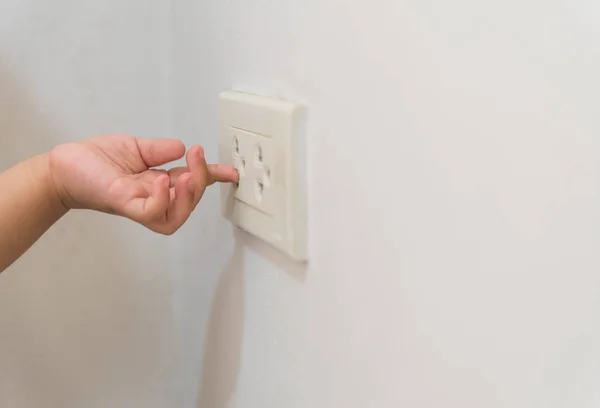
x: 222, y: 173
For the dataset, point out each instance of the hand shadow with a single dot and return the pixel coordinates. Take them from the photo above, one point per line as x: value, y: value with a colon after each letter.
x: 225, y: 332
x: 224, y: 336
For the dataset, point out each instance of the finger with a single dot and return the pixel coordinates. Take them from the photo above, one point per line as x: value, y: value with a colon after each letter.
x: 156, y: 152
x: 200, y: 175
x: 222, y: 173
x: 175, y: 173
x: 183, y: 204
x: 219, y: 173
x: 154, y: 207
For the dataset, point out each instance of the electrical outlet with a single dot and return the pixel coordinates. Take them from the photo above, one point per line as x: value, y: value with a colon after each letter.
x: 254, y: 158
x: 262, y: 138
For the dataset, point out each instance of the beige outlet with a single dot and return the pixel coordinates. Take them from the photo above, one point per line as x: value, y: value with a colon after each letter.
x: 262, y: 137
x: 254, y: 159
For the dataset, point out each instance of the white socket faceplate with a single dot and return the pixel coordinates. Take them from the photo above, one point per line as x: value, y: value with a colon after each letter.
x: 263, y: 139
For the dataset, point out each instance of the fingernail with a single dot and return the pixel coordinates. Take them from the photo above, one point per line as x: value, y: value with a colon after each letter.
x: 201, y: 154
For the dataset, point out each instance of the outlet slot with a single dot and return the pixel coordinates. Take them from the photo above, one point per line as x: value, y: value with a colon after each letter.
x: 259, y: 189
x: 236, y: 145
x: 259, y: 155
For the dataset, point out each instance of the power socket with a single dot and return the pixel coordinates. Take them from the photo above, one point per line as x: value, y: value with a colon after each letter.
x: 254, y: 159
x: 262, y: 138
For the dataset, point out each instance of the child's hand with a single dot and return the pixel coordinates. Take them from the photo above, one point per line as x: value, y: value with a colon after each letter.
x: 114, y: 174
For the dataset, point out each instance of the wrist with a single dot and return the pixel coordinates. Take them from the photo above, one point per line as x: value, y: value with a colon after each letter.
x: 41, y: 174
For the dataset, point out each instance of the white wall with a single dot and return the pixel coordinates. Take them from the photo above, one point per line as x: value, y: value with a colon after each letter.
x: 86, y: 316
x: 454, y: 205
x: 454, y: 228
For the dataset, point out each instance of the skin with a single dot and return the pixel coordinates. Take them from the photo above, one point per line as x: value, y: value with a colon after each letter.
x: 114, y: 174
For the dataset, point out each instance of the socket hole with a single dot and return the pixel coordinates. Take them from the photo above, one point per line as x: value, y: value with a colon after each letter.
x: 267, y: 177
x: 259, y: 154
x: 236, y: 145
x: 260, y: 187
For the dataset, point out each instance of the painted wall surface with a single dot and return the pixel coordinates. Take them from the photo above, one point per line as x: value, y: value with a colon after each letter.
x: 454, y: 163
x: 455, y: 223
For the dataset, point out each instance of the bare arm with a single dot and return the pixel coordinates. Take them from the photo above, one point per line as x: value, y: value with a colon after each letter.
x: 29, y: 205
x: 115, y: 174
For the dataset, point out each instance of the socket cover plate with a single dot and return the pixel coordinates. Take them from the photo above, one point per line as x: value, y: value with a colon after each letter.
x: 262, y: 137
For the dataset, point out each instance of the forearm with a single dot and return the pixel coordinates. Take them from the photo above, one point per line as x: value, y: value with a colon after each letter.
x: 29, y: 206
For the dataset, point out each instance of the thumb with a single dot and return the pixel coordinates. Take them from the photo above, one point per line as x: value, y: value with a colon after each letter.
x: 156, y: 152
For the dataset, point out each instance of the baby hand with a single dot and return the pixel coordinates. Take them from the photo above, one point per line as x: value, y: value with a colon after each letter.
x: 115, y: 174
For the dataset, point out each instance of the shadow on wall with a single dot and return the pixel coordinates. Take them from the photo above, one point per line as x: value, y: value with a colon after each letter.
x: 222, y: 354
x: 68, y: 324
x: 224, y: 336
